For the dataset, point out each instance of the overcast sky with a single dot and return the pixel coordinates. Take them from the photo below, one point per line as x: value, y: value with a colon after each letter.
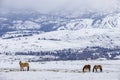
x: 49, y: 5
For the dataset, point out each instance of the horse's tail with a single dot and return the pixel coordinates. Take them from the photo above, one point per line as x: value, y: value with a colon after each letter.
x: 28, y: 68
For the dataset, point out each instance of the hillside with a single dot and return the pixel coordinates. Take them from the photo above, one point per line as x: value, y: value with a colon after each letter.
x: 68, y: 40
x: 34, y: 34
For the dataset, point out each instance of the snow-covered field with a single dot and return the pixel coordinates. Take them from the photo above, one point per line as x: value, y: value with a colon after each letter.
x: 60, y: 70
x: 58, y: 40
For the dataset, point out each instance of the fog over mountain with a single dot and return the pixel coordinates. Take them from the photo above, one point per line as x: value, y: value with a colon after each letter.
x: 45, y: 6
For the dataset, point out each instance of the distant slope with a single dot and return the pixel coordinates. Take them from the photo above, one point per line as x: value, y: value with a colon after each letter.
x: 71, y: 41
x: 32, y: 20
x: 59, y: 39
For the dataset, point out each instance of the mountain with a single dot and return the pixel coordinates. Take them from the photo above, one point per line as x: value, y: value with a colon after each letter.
x: 12, y: 20
x: 64, y: 44
x: 110, y: 21
x: 31, y: 20
x: 106, y: 22
x: 41, y: 34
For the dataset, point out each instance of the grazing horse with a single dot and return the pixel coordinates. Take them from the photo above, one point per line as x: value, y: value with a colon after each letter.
x: 87, y: 67
x: 22, y: 65
x: 97, y: 67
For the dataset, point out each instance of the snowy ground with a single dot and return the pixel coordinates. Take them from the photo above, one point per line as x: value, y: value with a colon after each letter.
x: 60, y: 70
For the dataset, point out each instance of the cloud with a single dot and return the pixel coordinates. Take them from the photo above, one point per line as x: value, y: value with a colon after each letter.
x: 96, y: 5
x: 41, y: 5
x: 49, y: 5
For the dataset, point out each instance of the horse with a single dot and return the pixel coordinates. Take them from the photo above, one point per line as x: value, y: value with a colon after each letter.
x: 97, y: 67
x: 22, y: 65
x: 87, y: 67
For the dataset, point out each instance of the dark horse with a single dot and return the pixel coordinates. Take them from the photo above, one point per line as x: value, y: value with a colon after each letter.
x: 22, y: 65
x: 97, y: 67
x: 87, y: 67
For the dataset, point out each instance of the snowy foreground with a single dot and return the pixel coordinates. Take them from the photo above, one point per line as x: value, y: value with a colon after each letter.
x: 60, y: 70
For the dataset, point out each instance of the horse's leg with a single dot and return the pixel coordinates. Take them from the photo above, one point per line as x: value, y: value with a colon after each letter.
x: 100, y: 69
x: 83, y: 69
x: 89, y: 69
x: 20, y: 68
x: 23, y: 69
x: 93, y: 69
x: 28, y: 68
x: 96, y: 69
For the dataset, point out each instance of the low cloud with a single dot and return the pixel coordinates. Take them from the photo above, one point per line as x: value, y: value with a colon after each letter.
x: 50, y: 5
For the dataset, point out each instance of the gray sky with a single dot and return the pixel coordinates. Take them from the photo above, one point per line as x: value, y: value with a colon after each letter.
x: 49, y: 5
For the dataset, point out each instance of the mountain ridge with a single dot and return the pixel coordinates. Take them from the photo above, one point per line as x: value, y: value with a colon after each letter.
x: 50, y: 22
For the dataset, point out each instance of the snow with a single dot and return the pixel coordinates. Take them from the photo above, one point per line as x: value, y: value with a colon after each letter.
x: 20, y: 25
x: 77, y: 24
x: 58, y: 40
x: 60, y: 70
x: 110, y: 21
x: 117, y: 57
x: 75, y: 28
x: 3, y: 19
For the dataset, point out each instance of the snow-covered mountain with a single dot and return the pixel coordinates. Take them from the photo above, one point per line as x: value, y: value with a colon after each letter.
x: 106, y: 22
x: 35, y: 33
x: 29, y: 20
x: 102, y: 42
x: 110, y: 21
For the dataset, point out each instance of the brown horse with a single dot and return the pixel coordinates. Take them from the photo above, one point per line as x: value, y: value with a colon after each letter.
x: 87, y: 67
x: 97, y: 67
x: 22, y: 65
